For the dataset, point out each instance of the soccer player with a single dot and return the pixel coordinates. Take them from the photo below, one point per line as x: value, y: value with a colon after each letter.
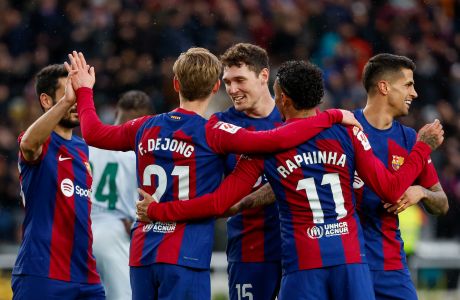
x: 113, y: 198
x: 388, y: 80
x: 322, y: 244
x: 254, y: 241
x: 175, y: 161
x: 55, y: 260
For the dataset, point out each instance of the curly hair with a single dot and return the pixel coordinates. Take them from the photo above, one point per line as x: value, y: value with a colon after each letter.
x: 384, y: 64
x: 302, y: 82
x: 254, y: 57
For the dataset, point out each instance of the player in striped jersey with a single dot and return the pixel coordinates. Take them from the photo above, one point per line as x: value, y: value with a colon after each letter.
x: 113, y: 199
x: 389, y: 82
x: 254, y: 241
x: 322, y: 243
x: 55, y: 260
x: 175, y: 161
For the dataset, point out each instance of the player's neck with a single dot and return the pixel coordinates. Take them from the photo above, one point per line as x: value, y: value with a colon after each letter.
x: 199, y: 106
x: 263, y: 107
x: 378, y: 115
x: 65, y: 133
x: 304, y: 113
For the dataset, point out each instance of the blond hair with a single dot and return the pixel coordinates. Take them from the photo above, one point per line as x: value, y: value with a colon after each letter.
x: 197, y: 71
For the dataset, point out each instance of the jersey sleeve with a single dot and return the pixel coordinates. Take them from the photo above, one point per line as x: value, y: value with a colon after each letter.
x: 97, y: 134
x: 225, y: 138
x: 235, y: 186
x: 428, y: 177
x: 40, y: 158
x: 387, y: 185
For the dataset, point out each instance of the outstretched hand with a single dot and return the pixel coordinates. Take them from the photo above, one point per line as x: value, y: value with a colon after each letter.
x: 348, y: 118
x: 69, y: 96
x: 432, y: 134
x: 142, y: 206
x: 412, y: 196
x: 82, y: 74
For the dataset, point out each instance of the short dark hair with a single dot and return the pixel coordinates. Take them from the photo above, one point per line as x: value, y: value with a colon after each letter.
x: 382, y: 65
x: 253, y: 56
x: 135, y: 100
x: 302, y: 82
x: 46, y: 80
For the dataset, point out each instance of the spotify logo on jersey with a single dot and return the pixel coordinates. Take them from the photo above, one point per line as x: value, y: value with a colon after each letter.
x: 67, y: 187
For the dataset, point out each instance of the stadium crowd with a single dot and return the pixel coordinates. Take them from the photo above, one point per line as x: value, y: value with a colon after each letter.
x: 133, y: 43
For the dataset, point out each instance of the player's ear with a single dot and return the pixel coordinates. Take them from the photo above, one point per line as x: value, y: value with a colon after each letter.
x: 284, y: 99
x: 216, y: 87
x: 264, y: 75
x: 46, y: 101
x: 176, y: 84
x: 383, y: 87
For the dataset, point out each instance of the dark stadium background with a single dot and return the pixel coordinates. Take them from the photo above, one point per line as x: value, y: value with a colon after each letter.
x: 133, y: 43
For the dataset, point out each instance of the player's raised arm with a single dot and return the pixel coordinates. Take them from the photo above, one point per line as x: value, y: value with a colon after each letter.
x: 96, y: 133
x: 235, y: 186
x: 390, y: 186
x: 228, y: 138
x: 31, y: 142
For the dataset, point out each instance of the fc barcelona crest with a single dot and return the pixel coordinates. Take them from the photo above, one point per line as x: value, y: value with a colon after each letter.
x: 397, y: 162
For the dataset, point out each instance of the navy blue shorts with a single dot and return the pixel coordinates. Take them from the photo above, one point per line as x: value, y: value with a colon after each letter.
x: 394, y: 285
x: 257, y: 281
x: 344, y: 282
x: 29, y: 287
x: 165, y: 281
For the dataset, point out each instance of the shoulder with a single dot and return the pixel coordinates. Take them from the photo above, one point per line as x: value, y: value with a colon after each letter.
x: 407, y: 133
x: 226, y: 115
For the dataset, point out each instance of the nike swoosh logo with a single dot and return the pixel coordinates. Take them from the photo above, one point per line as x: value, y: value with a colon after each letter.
x: 64, y: 158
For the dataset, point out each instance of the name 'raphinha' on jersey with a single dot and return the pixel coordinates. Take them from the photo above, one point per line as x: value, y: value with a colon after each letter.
x: 309, y: 158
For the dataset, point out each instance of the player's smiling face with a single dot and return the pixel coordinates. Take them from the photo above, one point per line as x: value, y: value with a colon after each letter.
x: 70, y: 119
x: 402, y: 92
x: 244, y: 86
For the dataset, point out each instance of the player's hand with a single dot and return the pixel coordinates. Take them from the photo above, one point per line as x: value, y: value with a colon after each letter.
x: 431, y: 134
x: 142, y: 206
x: 69, y: 95
x: 411, y: 196
x: 85, y: 75
x: 348, y: 118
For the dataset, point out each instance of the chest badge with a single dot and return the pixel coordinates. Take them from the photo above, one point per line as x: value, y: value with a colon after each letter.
x: 397, y: 162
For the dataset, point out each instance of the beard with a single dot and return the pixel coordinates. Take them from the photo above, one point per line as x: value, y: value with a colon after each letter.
x: 68, y: 123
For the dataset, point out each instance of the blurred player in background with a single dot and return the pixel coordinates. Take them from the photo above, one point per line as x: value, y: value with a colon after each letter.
x: 254, y: 241
x: 114, y: 194
x: 389, y: 82
x: 179, y: 157
x: 322, y: 242
x: 55, y: 260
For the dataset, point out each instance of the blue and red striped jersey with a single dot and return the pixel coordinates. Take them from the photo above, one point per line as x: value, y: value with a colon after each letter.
x: 174, y: 161
x: 384, y: 245
x: 254, y: 234
x: 57, y: 238
x: 313, y: 185
x: 179, y: 156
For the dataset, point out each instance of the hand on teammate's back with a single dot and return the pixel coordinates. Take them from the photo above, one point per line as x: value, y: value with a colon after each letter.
x: 84, y: 75
x: 432, y: 134
x: 348, y: 118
